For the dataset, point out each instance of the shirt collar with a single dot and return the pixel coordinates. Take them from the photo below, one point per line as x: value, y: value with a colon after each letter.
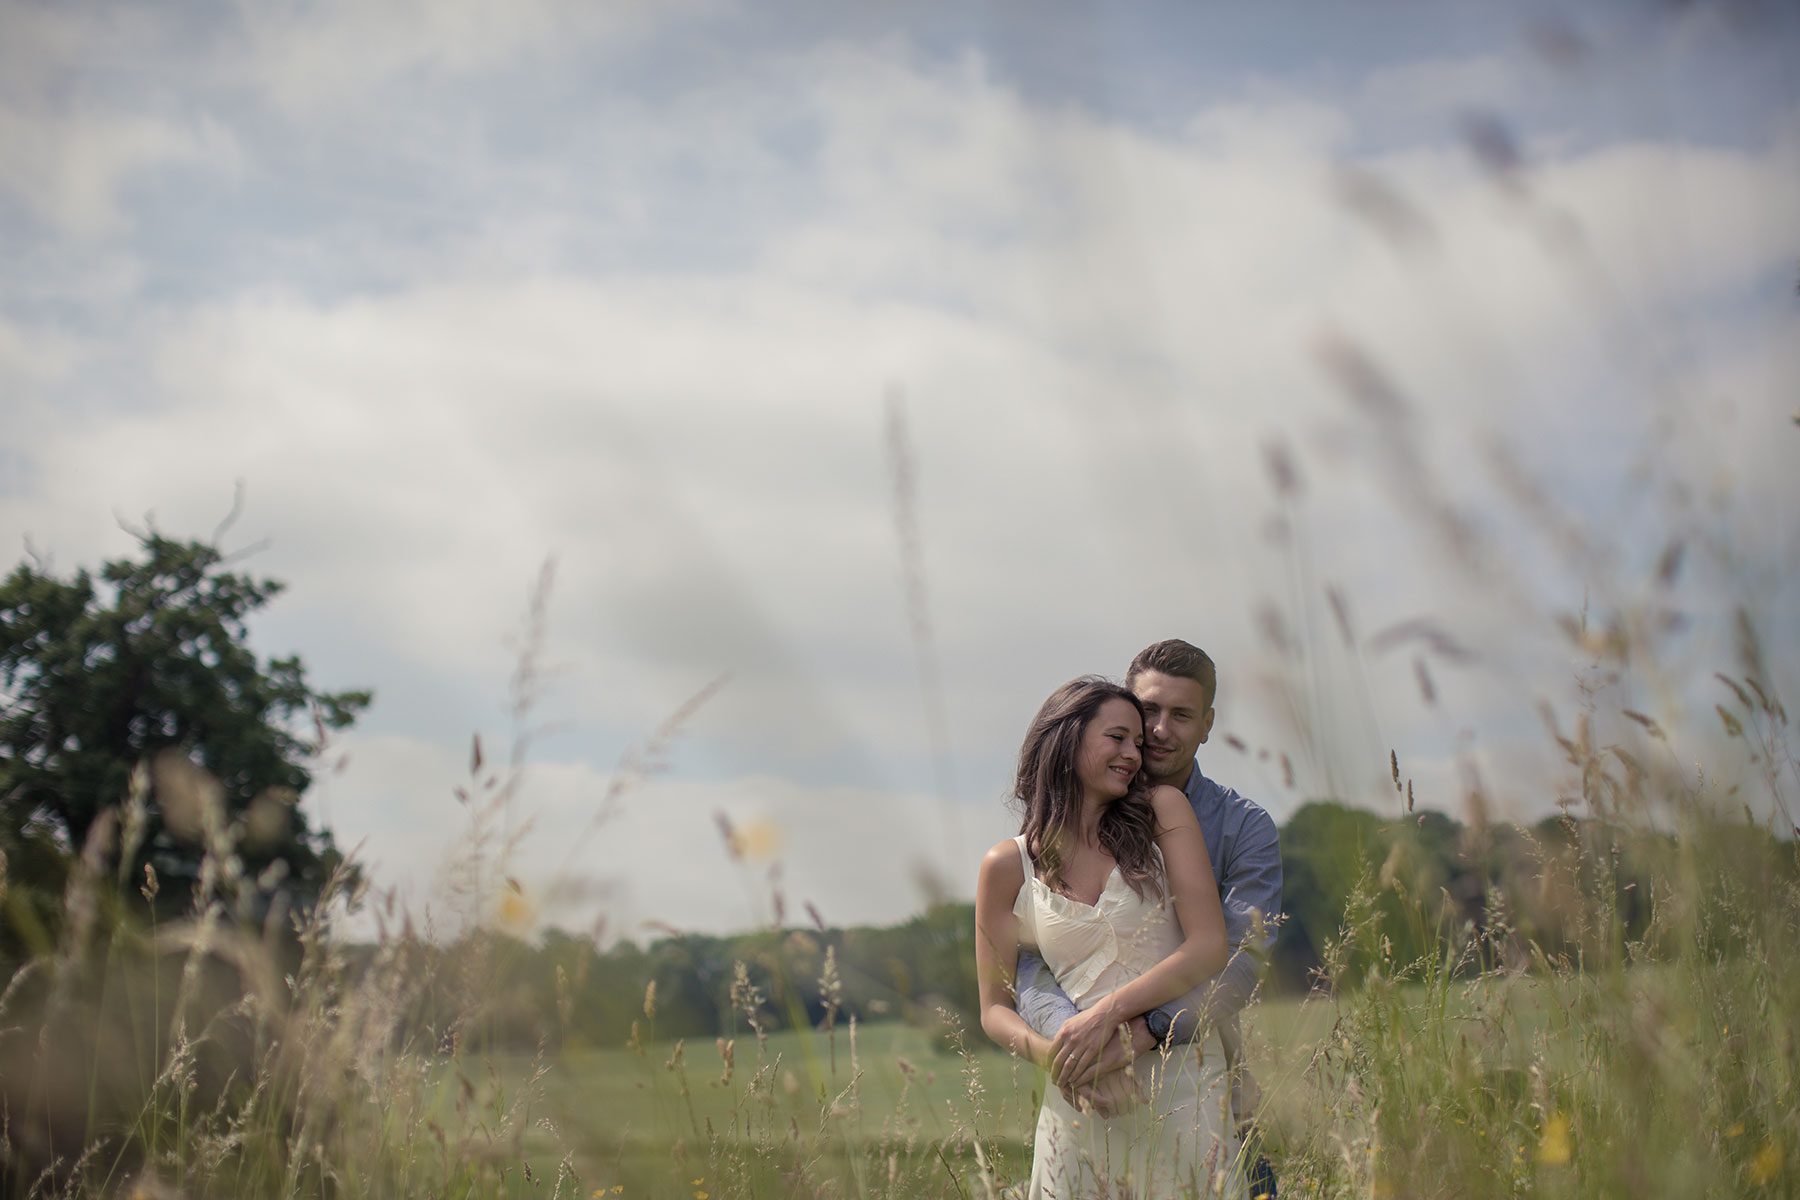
x: 1200, y: 789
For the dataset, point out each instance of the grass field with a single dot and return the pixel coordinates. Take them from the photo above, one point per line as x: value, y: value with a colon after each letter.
x: 671, y: 1120
x: 659, y: 1123
x: 1512, y: 1081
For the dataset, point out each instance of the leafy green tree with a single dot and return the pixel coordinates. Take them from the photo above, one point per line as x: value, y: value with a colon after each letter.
x: 149, y: 664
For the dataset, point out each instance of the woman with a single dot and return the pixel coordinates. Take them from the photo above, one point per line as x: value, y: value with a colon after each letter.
x: 1110, y: 883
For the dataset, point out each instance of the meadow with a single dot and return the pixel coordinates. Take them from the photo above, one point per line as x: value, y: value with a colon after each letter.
x: 653, y: 1119
x: 1513, y: 1084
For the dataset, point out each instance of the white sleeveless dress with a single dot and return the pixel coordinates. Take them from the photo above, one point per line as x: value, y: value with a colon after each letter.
x: 1179, y: 1142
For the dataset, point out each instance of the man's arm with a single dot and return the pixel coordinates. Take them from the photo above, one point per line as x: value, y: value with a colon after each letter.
x: 1251, y: 896
x: 1043, y: 1004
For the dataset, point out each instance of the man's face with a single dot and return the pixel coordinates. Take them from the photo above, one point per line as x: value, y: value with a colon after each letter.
x: 1176, y: 720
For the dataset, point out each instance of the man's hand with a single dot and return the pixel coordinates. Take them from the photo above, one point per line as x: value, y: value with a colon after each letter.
x: 1113, y: 1093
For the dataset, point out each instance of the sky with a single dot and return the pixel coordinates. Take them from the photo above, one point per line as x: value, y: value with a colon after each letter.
x: 754, y: 411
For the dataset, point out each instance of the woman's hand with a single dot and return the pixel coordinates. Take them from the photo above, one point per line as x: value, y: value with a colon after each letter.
x: 1113, y: 1093
x: 1081, y: 1041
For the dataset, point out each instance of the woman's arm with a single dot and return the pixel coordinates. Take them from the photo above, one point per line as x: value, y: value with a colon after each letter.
x: 997, y: 953
x: 1200, y: 956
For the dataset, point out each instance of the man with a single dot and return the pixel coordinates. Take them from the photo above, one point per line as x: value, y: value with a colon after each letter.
x: 1177, y: 683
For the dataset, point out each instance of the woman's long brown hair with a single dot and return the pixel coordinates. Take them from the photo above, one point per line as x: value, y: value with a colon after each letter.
x: 1049, y: 793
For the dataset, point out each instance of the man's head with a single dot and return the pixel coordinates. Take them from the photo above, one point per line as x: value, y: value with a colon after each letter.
x: 1176, y: 683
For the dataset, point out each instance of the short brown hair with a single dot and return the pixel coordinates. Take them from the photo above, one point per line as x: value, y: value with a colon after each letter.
x: 1176, y: 657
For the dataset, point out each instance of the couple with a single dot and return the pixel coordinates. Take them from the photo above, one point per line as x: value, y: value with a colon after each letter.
x: 1141, y: 885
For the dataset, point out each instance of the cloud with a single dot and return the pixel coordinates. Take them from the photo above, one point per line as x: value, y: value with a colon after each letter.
x: 67, y: 169
x: 311, y: 54
x: 1436, y: 90
x: 656, y: 856
x: 31, y: 359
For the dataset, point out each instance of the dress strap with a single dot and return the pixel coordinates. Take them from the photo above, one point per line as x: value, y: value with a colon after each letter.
x: 1025, y: 857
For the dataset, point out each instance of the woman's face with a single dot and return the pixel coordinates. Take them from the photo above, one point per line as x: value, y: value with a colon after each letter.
x: 1112, y: 749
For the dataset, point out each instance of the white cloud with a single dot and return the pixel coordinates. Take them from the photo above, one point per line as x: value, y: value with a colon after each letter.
x: 67, y: 169
x: 655, y: 855
x: 31, y: 359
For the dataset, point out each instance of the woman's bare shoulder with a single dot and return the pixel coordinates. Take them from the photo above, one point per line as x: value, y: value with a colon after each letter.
x: 1172, y: 808
x: 1004, y: 859
x: 1002, y: 876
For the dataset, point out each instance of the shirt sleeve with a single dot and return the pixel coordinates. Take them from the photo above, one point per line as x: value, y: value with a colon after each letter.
x: 1250, y: 894
x: 1039, y: 1000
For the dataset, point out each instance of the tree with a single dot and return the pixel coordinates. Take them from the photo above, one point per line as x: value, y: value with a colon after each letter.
x: 148, y: 665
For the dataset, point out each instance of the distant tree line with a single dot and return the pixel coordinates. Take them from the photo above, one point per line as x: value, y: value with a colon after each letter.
x: 1360, y: 887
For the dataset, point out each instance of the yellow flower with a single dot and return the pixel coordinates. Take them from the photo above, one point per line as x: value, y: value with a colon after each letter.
x: 1555, y: 1149
x: 759, y: 839
x: 1736, y: 1130
x: 1767, y: 1163
x: 699, y: 1196
x: 516, y: 913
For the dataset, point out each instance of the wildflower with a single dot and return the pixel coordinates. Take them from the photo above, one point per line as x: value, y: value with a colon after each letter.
x: 516, y: 912
x: 1555, y: 1148
x: 1767, y: 1163
x: 759, y: 840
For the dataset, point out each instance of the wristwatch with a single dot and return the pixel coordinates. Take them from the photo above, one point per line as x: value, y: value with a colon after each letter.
x: 1159, y: 1024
